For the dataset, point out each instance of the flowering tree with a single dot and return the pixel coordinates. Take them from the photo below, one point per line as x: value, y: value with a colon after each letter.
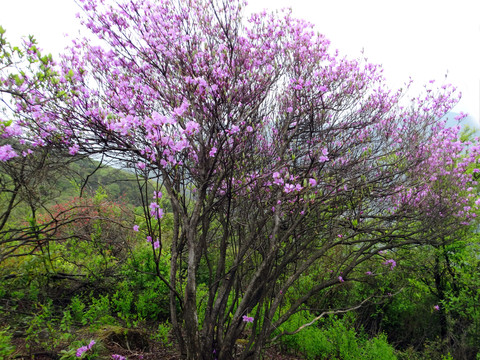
x: 279, y: 158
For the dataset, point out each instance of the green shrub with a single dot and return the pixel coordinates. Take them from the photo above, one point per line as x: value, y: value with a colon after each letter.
x: 6, y: 347
x: 143, y: 295
x: 99, y: 312
x: 42, y: 330
x: 334, y: 339
x: 162, y: 334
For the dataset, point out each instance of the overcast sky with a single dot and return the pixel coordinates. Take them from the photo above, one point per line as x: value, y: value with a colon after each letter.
x: 424, y: 39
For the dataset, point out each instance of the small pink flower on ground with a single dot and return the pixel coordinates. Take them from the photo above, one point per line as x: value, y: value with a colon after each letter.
x: 85, y: 348
x: 436, y: 307
x: 340, y: 279
x: 136, y: 228
x: 156, y: 245
x: 81, y: 350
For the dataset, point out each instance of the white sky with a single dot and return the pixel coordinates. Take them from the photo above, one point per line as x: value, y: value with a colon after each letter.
x: 423, y: 39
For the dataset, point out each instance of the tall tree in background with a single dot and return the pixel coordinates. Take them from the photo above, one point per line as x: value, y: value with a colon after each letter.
x: 279, y: 157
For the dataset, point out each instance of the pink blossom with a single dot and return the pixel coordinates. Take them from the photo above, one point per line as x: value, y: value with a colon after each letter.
x: 7, y: 153
x: 247, y: 319
x: 136, y: 228
x: 155, y: 210
x: 340, y: 279
x: 288, y: 188
x: 312, y: 182
x: 390, y: 262
x: 72, y: 150
x: 181, y: 110
x: 118, y: 357
x: 212, y: 152
x: 85, y: 348
x: 277, y: 180
x: 26, y: 153
x: 11, y: 130
x: 191, y: 127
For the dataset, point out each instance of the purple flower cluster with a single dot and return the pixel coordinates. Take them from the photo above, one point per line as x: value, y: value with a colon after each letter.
x: 118, y: 357
x: 85, y: 348
x: 390, y: 262
x: 247, y: 319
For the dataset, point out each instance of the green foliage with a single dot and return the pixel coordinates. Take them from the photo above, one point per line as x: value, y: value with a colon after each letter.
x: 141, y: 284
x: 98, y: 314
x: 335, y: 339
x: 42, y: 330
x: 77, y: 308
x: 6, y: 347
x: 162, y: 334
